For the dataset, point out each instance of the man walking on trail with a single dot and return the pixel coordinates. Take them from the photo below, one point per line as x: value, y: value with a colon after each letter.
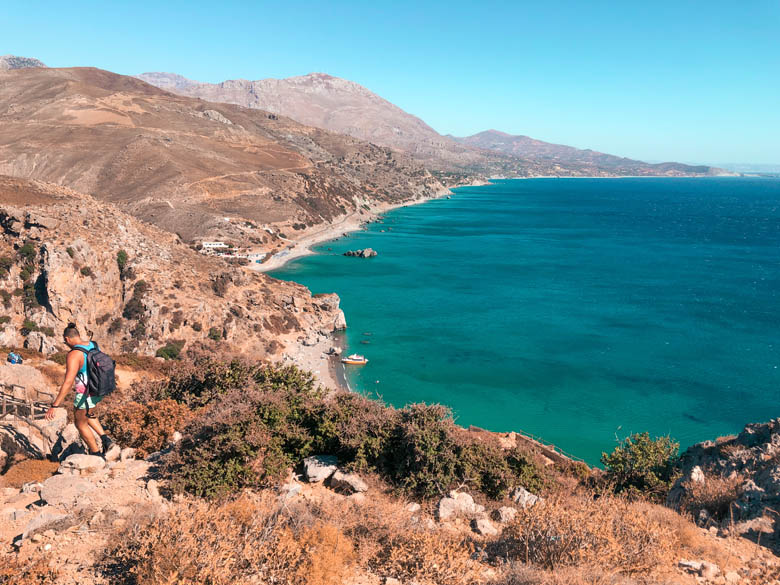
x: 76, y: 372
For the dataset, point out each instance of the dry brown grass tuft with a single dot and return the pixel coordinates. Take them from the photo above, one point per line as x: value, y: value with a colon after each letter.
x: 33, y: 572
x: 609, y: 533
x: 241, y: 541
x: 28, y: 470
x: 715, y: 495
x: 256, y: 538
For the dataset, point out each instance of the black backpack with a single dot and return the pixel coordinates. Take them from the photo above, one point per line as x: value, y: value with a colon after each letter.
x: 101, y: 379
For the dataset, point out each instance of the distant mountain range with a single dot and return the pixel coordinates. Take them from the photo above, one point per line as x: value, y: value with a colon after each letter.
x: 346, y: 107
x: 563, y: 156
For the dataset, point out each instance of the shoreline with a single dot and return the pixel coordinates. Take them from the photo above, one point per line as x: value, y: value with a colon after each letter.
x: 349, y: 223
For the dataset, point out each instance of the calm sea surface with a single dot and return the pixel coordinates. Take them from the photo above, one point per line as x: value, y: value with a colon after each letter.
x: 579, y: 310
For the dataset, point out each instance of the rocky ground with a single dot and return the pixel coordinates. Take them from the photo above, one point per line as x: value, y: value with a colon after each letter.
x: 61, y: 254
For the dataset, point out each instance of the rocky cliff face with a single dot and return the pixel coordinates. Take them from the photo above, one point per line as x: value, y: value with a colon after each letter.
x: 67, y: 257
x: 197, y: 169
x: 14, y: 62
x: 741, y: 474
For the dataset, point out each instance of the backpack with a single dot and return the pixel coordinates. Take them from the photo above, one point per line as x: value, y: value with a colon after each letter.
x: 14, y: 358
x: 101, y: 379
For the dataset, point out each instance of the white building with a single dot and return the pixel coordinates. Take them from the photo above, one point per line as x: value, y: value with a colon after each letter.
x: 213, y: 245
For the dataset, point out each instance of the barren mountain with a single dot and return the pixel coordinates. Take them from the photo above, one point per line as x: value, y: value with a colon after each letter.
x: 65, y: 256
x: 343, y: 106
x: 560, y: 157
x: 14, y: 62
x: 188, y: 166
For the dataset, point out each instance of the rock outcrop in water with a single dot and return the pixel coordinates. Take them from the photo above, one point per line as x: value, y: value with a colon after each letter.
x: 364, y: 253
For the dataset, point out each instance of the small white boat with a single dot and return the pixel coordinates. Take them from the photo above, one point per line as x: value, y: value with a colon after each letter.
x: 354, y: 359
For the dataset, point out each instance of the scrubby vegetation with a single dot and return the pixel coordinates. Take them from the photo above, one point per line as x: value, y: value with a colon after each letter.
x: 254, y: 421
x: 171, y: 350
x: 642, y: 466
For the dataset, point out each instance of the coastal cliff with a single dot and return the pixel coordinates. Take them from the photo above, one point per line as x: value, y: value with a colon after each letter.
x: 67, y: 257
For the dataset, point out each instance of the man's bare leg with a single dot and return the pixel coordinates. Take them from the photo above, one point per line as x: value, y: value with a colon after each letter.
x: 96, y: 426
x: 85, y: 430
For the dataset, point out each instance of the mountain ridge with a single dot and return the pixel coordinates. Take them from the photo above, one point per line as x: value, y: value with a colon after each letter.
x: 344, y: 106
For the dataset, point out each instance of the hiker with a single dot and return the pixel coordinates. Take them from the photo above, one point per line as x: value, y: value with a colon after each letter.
x: 76, y: 371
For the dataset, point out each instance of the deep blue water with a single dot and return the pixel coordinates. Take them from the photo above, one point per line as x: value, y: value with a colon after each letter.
x: 575, y: 309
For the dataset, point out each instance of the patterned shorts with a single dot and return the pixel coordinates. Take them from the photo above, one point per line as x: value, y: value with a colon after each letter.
x: 83, y: 401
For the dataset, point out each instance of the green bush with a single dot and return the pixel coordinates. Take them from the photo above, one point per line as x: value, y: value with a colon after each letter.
x: 642, y: 466
x: 27, y: 252
x: 134, y: 309
x: 5, y: 319
x: 28, y: 327
x: 86, y: 271
x: 5, y: 265
x: 48, y: 331
x: 215, y: 333
x: 70, y: 251
x: 171, y: 350
x: 121, y: 260
x: 6, y: 298
x: 257, y: 421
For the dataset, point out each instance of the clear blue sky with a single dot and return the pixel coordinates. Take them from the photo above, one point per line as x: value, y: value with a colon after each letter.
x: 663, y: 80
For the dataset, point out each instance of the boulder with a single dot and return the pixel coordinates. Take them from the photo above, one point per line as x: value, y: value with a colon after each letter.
x: 29, y: 378
x: 349, y: 483
x: 697, y: 475
x: 68, y: 442
x: 127, y: 453
x: 114, y: 453
x: 459, y: 504
x: 67, y: 490
x: 504, y: 514
x: 32, y: 487
x: 709, y: 571
x: 153, y: 488
x: 525, y: 498
x: 413, y: 507
x: 364, y: 253
x: 81, y: 465
x: 3, y: 459
x: 47, y: 520
x: 319, y: 467
x: 484, y: 527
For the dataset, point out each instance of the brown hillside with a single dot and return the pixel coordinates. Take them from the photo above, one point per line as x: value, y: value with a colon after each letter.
x: 184, y: 164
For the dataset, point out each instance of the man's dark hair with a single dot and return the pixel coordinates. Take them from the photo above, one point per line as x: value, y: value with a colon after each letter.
x: 71, y: 331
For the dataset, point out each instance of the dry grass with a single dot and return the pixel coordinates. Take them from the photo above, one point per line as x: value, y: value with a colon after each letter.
x: 608, y: 533
x: 715, y: 495
x: 37, y: 572
x: 257, y: 539
x: 28, y: 470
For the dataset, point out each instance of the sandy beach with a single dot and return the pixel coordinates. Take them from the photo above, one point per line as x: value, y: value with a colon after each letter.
x: 323, y: 233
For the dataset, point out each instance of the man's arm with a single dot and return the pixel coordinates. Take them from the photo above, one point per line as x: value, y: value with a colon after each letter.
x: 72, y: 365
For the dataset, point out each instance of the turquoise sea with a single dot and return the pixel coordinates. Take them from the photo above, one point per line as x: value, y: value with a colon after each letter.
x: 580, y: 310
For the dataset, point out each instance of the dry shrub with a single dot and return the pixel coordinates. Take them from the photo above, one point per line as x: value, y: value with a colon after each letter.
x: 28, y: 470
x: 578, y: 530
x: 249, y: 540
x: 390, y: 544
x: 145, y: 427
x: 257, y: 539
x: 715, y: 495
x: 520, y: 574
x: 33, y: 572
